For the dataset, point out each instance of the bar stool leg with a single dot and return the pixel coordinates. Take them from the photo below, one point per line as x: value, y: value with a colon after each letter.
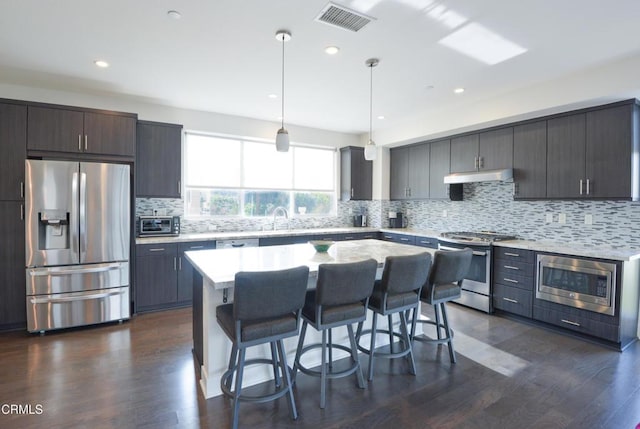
x: 354, y: 356
x: 236, y: 394
x: 323, y: 369
x: 435, y: 309
x: 330, y: 350
x: 372, y: 346
x: 287, y: 380
x: 452, y: 353
x: 415, y: 322
x: 274, y: 360
x: 390, y: 321
x: 405, y: 339
x: 233, y: 358
x: 296, y: 362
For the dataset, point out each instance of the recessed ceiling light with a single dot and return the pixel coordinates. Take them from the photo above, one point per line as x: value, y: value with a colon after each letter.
x: 174, y: 14
x: 381, y: 117
x: 101, y: 63
x: 331, y: 50
x: 458, y: 90
x: 272, y: 96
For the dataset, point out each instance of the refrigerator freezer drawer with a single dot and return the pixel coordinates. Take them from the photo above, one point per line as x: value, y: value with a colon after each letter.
x: 77, y: 278
x: 65, y: 310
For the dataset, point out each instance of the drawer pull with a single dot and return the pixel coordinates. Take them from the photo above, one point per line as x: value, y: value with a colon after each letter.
x: 159, y: 249
x: 511, y: 267
x: 196, y: 247
x: 348, y: 238
x: 570, y: 322
x: 404, y: 239
x: 510, y: 300
x: 510, y: 280
x: 515, y: 255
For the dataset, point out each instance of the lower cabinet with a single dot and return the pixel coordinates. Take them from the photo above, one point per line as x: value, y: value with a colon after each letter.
x: 513, y: 280
x: 13, y: 307
x: 164, y: 277
x: 574, y: 319
x: 399, y: 238
x: 295, y: 239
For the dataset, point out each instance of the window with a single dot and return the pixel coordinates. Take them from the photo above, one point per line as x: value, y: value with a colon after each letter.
x: 236, y: 177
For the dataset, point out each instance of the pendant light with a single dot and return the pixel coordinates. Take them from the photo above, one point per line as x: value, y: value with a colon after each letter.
x: 282, y: 138
x: 370, y: 150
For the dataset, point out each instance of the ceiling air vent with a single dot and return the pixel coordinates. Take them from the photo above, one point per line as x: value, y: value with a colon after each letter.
x: 341, y: 17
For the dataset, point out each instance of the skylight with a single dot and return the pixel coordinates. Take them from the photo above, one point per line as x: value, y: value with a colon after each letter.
x: 482, y: 44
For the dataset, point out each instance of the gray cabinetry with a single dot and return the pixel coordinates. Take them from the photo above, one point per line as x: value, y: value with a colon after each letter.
x: 566, y: 156
x: 439, y: 160
x: 13, y: 150
x: 12, y: 273
x: 356, y: 174
x: 158, y: 160
x: 464, y: 153
x: 513, y: 280
x: 409, y: 172
x: 488, y: 150
x: 399, y: 238
x: 530, y: 160
x: 71, y: 130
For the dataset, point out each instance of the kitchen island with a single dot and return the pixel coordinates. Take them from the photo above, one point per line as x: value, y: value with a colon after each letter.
x: 214, y: 273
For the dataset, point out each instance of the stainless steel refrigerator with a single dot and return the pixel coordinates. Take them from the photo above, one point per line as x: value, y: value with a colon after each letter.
x: 77, y: 235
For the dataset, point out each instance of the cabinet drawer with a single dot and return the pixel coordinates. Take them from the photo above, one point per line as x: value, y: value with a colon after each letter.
x: 513, y: 279
x: 399, y: 238
x: 513, y: 300
x: 196, y: 245
x: 514, y: 254
x: 429, y: 242
x: 514, y: 266
x: 156, y: 249
x: 359, y: 235
x: 577, y: 323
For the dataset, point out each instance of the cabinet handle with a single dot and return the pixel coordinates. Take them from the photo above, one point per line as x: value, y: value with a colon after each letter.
x: 21, y: 211
x: 196, y: 247
x: 85, y: 142
x: 481, y: 161
x: 180, y: 263
x: 511, y: 267
x: 348, y: 238
x: 580, y: 186
x: 404, y: 239
x: 570, y: 322
x: 158, y: 249
x: 475, y: 162
x: 409, y: 192
x: 175, y: 264
x: 517, y: 255
x: 351, y: 192
x: 588, y: 190
x: 80, y: 142
x: 179, y: 188
x: 21, y: 189
x: 514, y: 301
x: 510, y: 280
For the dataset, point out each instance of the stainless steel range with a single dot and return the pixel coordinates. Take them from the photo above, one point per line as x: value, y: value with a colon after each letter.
x: 476, y: 287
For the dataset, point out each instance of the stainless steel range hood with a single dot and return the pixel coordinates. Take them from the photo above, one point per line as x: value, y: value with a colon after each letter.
x: 480, y: 176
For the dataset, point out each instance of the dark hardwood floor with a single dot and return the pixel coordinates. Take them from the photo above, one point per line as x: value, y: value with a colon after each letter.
x: 141, y: 374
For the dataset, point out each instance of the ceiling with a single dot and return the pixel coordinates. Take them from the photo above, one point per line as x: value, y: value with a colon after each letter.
x: 222, y: 55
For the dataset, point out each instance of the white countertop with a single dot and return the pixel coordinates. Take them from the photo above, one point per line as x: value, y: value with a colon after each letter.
x: 220, y: 266
x: 601, y: 252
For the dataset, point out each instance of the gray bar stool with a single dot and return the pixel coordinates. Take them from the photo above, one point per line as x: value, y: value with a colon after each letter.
x: 397, y: 292
x: 340, y: 298
x: 266, y: 309
x: 444, y: 285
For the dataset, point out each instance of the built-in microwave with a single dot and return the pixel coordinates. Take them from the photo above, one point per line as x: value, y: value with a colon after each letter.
x: 588, y: 284
x: 151, y: 226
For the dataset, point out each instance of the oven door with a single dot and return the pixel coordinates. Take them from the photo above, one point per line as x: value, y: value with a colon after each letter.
x: 477, y: 279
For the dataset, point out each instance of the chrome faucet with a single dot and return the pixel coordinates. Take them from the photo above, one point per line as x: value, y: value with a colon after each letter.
x: 284, y: 213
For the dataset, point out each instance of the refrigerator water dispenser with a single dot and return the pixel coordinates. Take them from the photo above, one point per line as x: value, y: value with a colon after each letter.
x: 53, y: 230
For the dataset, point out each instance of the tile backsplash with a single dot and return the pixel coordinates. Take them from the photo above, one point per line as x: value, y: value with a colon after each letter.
x: 486, y: 206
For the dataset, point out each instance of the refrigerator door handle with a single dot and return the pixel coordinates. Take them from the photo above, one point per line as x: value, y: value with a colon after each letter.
x: 35, y: 272
x: 73, y: 226
x: 83, y: 216
x: 47, y: 300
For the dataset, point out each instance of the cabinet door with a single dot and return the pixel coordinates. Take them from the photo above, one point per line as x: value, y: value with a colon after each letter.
x: 12, y: 273
x: 530, y: 160
x: 356, y: 174
x: 13, y: 150
x: 158, y: 159
x: 185, y: 270
x: 418, y: 174
x: 109, y: 134
x: 51, y: 129
x: 608, y: 152
x: 464, y: 153
x: 438, y: 168
x: 398, y: 173
x: 156, y: 276
x: 496, y: 149
x: 566, y: 156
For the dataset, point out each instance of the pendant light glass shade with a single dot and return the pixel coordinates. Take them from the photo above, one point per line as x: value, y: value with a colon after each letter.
x: 282, y: 138
x: 370, y: 150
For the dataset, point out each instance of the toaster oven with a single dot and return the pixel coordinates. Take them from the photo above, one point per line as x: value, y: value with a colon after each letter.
x: 153, y: 226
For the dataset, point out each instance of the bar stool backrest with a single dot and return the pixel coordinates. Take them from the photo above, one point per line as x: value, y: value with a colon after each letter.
x: 345, y: 283
x: 450, y: 266
x: 269, y: 294
x: 405, y: 273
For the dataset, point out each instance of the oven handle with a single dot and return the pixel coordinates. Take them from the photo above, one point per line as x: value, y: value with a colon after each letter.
x: 46, y: 300
x: 475, y: 252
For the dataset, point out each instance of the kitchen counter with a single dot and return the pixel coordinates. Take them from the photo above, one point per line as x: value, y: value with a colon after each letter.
x: 234, y: 235
x: 602, y: 252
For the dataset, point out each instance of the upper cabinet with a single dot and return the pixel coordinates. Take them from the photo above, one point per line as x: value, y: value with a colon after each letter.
x: 59, y: 129
x: 530, y: 160
x: 158, y: 160
x: 409, y: 172
x: 591, y: 154
x: 438, y: 168
x: 356, y: 174
x: 13, y: 150
x: 488, y: 150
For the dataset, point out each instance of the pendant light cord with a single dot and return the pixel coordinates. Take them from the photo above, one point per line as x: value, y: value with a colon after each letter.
x: 371, y: 105
x: 282, y: 36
